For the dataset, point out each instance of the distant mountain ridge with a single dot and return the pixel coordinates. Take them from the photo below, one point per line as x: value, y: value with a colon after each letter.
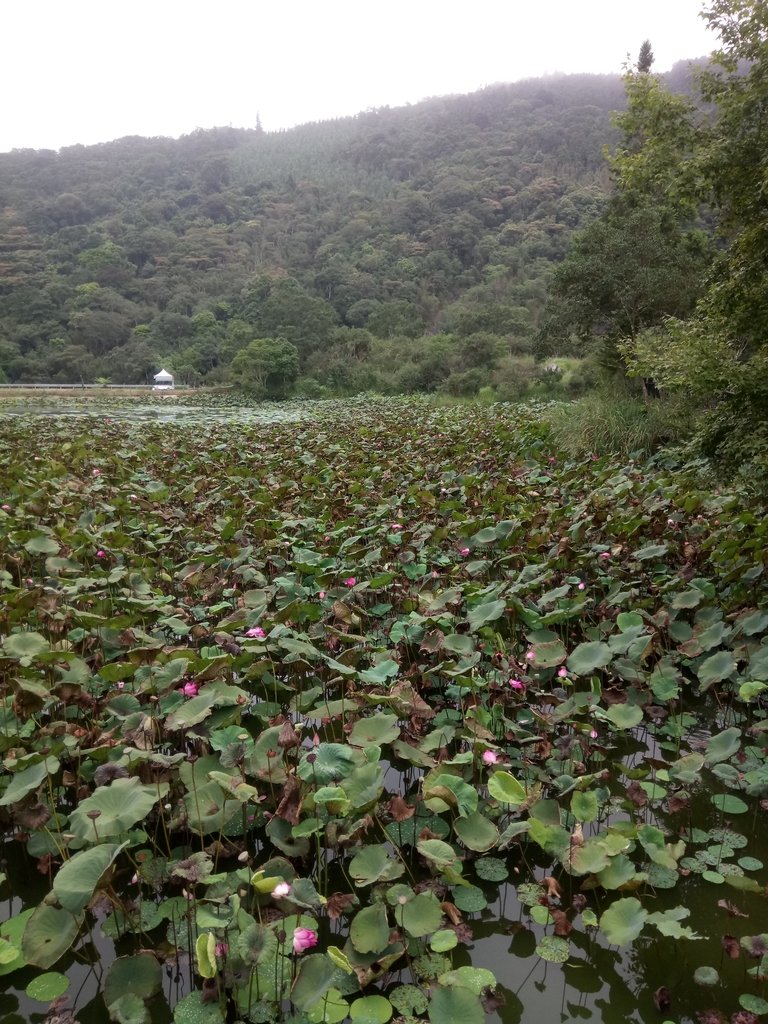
x: 444, y: 217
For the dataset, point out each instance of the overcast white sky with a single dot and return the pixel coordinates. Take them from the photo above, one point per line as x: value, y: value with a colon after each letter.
x: 85, y: 71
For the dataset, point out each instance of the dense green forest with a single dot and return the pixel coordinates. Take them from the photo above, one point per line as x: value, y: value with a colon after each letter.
x: 402, y: 249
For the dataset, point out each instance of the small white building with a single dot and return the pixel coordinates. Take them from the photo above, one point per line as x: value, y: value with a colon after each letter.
x: 163, y: 381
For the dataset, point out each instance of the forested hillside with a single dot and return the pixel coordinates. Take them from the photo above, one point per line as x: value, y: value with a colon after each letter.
x: 404, y: 249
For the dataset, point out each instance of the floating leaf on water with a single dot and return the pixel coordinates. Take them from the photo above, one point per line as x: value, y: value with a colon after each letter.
x: 706, y: 976
x: 505, y: 788
x: 729, y: 804
x: 752, y: 1003
x: 553, y: 949
x: 469, y: 898
x: 369, y: 930
x: 408, y: 999
x: 623, y: 921
x: 661, y: 878
x: 455, y: 1006
x: 750, y: 863
x: 529, y: 893
x: 421, y: 915
x: 727, y: 836
x: 371, y: 1010
x: 47, y: 987
x: 491, y: 869
x: 476, y: 832
x: 473, y: 979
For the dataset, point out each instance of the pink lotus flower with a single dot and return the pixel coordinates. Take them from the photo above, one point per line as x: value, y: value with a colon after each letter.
x: 96, y: 472
x: 593, y: 734
x: 303, y: 938
x: 256, y: 631
x: 605, y: 555
x: 530, y: 655
x: 120, y: 684
x: 464, y: 552
x: 221, y: 949
x: 6, y: 508
x: 582, y: 585
x: 321, y: 595
x: 562, y: 672
x: 516, y: 684
x: 489, y: 757
x: 350, y: 581
x: 101, y: 554
x: 281, y: 890
x: 396, y: 527
x: 189, y: 689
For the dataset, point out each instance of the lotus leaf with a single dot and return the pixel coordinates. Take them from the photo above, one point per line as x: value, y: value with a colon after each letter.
x: 48, y: 934
x: 473, y: 979
x: 369, y: 930
x: 455, y: 1006
x: 421, y: 915
x: 372, y: 864
x: 371, y: 1010
x: 623, y: 921
x: 476, y: 832
x: 505, y: 788
x: 192, y: 1010
x: 315, y: 977
x: 707, y: 976
x: 47, y: 987
x: 115, y: 808
x: 76, y: 881
x: 327, y: 763
x: 588, y: 657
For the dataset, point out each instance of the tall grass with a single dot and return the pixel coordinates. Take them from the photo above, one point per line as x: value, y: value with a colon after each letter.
x: 605, y: 422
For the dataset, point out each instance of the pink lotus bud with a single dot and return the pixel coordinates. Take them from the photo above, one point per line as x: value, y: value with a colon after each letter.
x: 190, y: 689
x: 464, y: 552
x: 321, y: 595
x: 256, y: 631
x: 562, y: 672
x: 582, y: 585
x: 304, y: 938
x: 101, y: 554
x: 350, y: 581
x: 281, y: 890
x: 489, y: 757
x: 516, y: 684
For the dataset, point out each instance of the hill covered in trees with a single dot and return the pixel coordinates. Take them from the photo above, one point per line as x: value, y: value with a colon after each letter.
x: 403, y: 249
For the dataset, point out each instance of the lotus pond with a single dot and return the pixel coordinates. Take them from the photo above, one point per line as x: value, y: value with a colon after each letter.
x: 376, y: 712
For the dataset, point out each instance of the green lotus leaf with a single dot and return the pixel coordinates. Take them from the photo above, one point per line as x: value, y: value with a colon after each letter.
x: 437, y: 852
x: 315, y: 977
x: 77, y: 878
x: 205, y: 955
x: 476, y: 832
x: 585, y: 806
x: 706, y: 976
x: 47, y: 987
x: 588, y: 657
x: 48, y: 934
x: 421, y: 915
x: 129, y: 1009
x: 472, y: 979
x: 327, y: 763
x: 722, y: 746
x: 408, y: 999
x: 715, y: 669
x: 482, y: 614
x: 491, y: 869
x: 450, y: 791
x: 112, y: 810
x: 505, y: 788
x: 373, y: 864
x: 25, y: 645
x: 624, y: 716
x: 42, y: 544
x: 651, y: 552
x: 380, y: 672
x: 753, y: 1003
x: 139, y: 975
x: 380, y: 729
x: 455, y: 1006
x: 443, y: 940
x: 470, y: 898
x: 192, y: 1010
x: 623, y: 921
x: 371, y: 1010
x: 553, y: 949
x: 548, y: 654
x: 28, y: 779
x: 729, y: 804
x: 370, y: 929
